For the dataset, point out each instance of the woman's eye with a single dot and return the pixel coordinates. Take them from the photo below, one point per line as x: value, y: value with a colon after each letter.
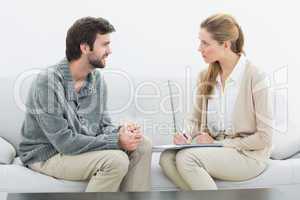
x: 204, y: 43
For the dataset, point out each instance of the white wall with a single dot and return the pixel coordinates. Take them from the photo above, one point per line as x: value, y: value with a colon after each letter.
x: 157, y: 38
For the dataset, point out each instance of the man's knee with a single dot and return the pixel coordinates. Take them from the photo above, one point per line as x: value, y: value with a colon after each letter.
x: 146, y: 146
x: 118, y: 163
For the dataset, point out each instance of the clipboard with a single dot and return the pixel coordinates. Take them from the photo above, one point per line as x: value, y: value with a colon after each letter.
x: 183, y: 146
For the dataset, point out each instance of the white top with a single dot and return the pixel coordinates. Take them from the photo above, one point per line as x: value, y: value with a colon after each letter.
x: 221, y: 104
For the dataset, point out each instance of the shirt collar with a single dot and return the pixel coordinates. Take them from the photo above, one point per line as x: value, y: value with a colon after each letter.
x: 236, y: 73
x: 65, y: 70
x: 87, y: 89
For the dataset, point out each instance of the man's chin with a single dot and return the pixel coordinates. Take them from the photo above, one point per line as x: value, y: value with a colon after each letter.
x: 98, y: 66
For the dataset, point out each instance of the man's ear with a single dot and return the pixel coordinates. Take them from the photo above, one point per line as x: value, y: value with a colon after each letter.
x: 84, y: 48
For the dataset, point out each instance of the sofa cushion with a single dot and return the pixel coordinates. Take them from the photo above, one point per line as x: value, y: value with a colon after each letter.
x: 279, y: 172
x: 286, y: 148
x: 286, y: 144
x: 16, y: 178
x: 7, y: 152
x: 295, y: 156
x: 12, y: 115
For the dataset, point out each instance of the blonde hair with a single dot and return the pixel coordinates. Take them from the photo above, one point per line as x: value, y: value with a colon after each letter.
x: 222, y: 27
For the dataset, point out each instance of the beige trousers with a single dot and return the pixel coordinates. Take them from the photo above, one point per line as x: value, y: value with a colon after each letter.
x: 195, y: 168
x: 106, y: 170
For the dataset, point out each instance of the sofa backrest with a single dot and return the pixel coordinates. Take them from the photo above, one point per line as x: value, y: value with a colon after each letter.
x: 142, y: 99
x: 11, y: 116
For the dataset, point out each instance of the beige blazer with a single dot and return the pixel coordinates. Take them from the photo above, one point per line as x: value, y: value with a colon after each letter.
x: 252, y: 116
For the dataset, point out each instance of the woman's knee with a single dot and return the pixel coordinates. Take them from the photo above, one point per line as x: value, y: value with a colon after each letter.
x: 167, y: 158
x: 185, y: 159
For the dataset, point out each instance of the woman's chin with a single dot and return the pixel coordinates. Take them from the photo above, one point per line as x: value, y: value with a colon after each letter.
x: 206, y: 60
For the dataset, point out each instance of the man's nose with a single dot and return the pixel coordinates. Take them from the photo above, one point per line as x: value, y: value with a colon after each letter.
x: 109, y: 51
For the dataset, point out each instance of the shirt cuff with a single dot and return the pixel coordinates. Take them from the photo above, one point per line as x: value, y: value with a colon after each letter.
x: 113, y: 140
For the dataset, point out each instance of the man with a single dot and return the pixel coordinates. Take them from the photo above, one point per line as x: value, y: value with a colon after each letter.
x: 67, y: 132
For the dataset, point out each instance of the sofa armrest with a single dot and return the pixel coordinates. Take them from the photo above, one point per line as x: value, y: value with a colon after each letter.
x: 7, y: 152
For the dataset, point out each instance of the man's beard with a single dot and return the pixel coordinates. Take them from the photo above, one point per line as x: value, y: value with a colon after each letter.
x: 97, y: 63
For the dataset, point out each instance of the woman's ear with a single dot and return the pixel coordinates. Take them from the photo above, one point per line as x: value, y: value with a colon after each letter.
x: 227, y: 44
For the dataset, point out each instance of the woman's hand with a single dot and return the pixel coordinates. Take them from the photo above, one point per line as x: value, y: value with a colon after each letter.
x: 182, y: 138
x: 204, y: 138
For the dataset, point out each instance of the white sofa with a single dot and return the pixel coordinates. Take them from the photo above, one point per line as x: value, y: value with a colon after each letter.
x: 152, y: 113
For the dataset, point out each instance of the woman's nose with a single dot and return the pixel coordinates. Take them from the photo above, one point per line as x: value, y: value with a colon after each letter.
x: 200, y: 49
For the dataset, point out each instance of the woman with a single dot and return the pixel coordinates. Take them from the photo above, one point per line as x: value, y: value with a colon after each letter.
x: 233, y: 108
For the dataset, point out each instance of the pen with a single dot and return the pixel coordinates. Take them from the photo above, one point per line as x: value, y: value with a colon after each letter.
x: 186, y: 137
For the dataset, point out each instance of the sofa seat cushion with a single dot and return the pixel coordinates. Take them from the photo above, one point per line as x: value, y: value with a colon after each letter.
x: 16, y: 178
x: 7, y: 152
x: 285, y: 146
x: 286, y: 143
x: 279, y: 172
